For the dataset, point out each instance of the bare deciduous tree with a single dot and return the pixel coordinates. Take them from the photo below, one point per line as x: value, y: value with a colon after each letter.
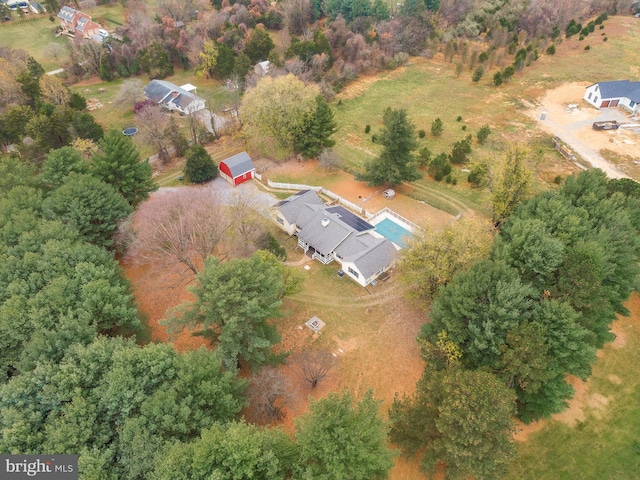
x: 183, y: 226
x: 313, y: 365
x: 131, y: 91
x: 330, y: 159
x: 54, y: 50
x: 153, y: 124
x: 250, y: 222
x: 268, y: 393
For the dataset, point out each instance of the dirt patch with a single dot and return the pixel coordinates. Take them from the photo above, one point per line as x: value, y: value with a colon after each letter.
x: 369, y: 198
x: 157, y: 289
x: 569, y: 117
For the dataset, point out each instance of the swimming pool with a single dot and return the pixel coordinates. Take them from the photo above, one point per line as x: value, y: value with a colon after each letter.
x: 394, y: 232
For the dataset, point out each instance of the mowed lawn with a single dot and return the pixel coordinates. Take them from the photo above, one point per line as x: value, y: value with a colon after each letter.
x: 34, y: 33
x: 33, y: 36
x: 603, y: 442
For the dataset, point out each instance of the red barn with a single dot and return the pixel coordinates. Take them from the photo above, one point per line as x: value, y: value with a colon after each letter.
x: 237, y: 169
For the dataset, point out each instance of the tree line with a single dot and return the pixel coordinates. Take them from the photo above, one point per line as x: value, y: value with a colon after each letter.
x: 508, y: 325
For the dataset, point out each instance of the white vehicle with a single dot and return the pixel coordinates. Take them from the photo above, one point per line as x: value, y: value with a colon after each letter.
x: 103, y: 33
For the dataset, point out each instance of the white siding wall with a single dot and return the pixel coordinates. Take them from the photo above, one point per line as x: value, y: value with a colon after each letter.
x: 592, y: 95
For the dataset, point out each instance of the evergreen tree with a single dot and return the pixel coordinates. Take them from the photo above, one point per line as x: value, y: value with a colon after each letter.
x: 343, y: 439
x: 259, y: 45
x: 90, y: 205
x: 462, y: 417
x: 321, y: 126
x: 118, y: 164
x: 233, y: 302
x: 199, y: 166
x: 396, y: 163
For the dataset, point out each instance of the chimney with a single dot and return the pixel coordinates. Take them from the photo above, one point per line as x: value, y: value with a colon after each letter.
x: 325, y: 221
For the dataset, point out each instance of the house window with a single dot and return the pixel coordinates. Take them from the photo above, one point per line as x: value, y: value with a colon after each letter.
x: 632, y: 103
x: 353, y: 272
x: 590, y: 95
x: 280, y: 220
x: 595, y: 100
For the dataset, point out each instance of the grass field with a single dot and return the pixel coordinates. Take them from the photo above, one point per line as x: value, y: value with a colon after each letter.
x: 429, y: 89
x: 603, y: 442
x: 33, y: 33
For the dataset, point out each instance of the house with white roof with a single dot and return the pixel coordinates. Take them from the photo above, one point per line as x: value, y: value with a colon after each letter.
x: 173, y: 97
x: 331, y: 232
x: 617, y: 93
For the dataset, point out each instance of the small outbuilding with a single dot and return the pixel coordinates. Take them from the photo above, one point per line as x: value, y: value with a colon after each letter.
x: 389, y: 194
x: 237, y: 169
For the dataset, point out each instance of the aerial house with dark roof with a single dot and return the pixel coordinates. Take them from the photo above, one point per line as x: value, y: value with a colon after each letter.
x: 237, y: 169
x: 618, y: 93
x: 173, y: 97
x: 332, y: 233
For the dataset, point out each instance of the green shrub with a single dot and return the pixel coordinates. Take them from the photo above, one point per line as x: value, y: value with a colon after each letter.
x: 551, y: 50
x: 367, y: 129
x: 555, y: 32
x: 461, y: 150
x: 421, y: 133
x: 483, y: 134
x: 437, y: 127
x: 477, y: 75
x: 558, y: 179
x: 581, y: 37
x: 459, y: 118
x: 269, y: 243
x: 483, y: 57
x: 601, y: 27
x: 374, y: 138
x: 424, y: 157
x: 454, y: 181
x: 464, y: 127
x: 605, y: 39
x: 587, y: 47
x: 440, y: 167
x: 497, y: 79
x: 448, y: 179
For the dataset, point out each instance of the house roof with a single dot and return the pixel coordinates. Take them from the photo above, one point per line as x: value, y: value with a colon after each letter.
x: 335, y: 229
x: 299, y: 205
x: 161, y: 91
x: 620, y: 88
x: 375, y: 258
x: 239, y: 164
x: 67, y: 14
x: 324, y: 231
x: 263, y: 66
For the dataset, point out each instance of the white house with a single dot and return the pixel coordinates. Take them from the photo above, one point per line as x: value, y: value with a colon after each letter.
x: 173, y: 97
x: 618, y: 93
x: 332, y: 232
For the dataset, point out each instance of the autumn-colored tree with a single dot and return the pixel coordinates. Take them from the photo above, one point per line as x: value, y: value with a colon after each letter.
x: 433, y: 258
x: 279, y: 109
x: 510, y: 181
x: 53, y: 91
x: 183, y: 226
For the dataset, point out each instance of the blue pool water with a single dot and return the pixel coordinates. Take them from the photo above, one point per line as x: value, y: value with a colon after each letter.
x: 394, y: 232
